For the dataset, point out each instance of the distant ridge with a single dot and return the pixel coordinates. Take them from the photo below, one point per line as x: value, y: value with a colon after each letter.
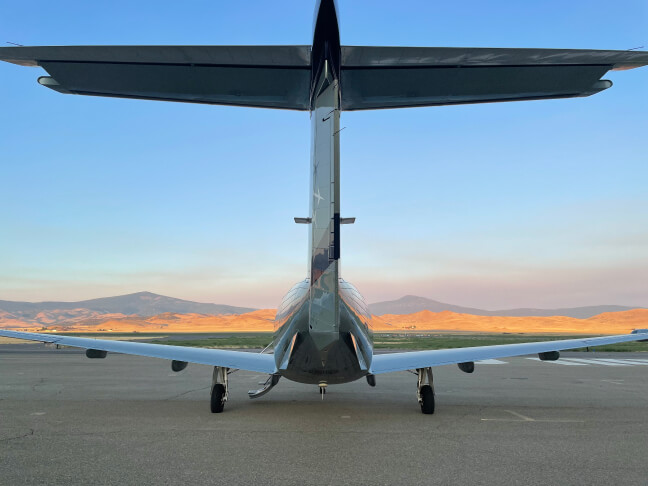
x: 148, y: 304
x: 410, y: 304
x: 141, y: 303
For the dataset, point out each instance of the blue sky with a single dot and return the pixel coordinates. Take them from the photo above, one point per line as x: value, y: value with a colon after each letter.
x: 501, y: 205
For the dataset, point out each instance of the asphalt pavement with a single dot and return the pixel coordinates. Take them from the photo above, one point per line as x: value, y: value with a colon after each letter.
x: 66, y: 419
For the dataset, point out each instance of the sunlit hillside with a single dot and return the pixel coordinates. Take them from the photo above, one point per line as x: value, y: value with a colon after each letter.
x: 262, y: 321
x: 607, y: 323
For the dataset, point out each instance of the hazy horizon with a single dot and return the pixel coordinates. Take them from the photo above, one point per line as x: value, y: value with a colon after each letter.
x: 504, y: 205
x: 274, y: 307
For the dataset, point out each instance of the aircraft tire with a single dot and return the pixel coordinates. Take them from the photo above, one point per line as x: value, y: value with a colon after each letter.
x: 217, y: 398
x: 427, y: 399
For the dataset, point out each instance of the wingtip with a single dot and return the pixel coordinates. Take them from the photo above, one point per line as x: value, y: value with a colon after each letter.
x: 17, y: 55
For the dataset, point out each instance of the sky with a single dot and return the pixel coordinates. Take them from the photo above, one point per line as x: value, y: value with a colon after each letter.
x: 528, y: 204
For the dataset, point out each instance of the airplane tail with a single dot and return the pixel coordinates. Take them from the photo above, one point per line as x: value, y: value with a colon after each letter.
x: 324, y: 240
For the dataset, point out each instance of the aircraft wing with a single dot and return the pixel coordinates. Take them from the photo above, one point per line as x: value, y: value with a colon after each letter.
x: 261, y: 363
x: 260, y: 76
x: 280, y: 76
x: 398, y: 77
x: 385, y: 363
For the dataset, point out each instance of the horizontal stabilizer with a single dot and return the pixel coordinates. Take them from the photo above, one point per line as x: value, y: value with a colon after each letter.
x: 309, y: 220
x: 261, y: 363
x: 385, y: 363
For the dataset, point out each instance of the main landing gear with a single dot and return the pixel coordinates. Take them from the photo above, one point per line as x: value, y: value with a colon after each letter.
x: 425, y: 390
x: 219, y: 390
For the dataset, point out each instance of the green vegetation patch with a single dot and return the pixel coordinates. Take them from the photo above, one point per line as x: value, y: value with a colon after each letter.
x: 235, y: 341
x: 399, y: 341
x: 445, y: 341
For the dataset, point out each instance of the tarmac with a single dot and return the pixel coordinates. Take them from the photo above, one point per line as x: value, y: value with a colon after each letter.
x: 66, y: 419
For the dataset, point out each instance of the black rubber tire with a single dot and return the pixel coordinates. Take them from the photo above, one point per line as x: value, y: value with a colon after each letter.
x: 217, y: 398
x: 427, y: 399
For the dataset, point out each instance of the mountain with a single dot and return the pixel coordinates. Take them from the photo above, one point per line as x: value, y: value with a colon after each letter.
x: 606, y: 323
x: 141, y: 303
x: 151, y: 310
x: 256, y: 321
x: 411, y: 304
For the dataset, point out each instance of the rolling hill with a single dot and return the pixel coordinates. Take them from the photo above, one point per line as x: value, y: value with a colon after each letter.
x: 410, y: 304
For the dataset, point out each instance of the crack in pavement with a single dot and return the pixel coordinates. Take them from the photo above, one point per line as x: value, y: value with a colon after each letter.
x: 41, y: 382
x: 186, y: 393
x: 31, y: 432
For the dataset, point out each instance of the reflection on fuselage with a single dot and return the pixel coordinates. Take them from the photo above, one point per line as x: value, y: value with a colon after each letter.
x: 322, y: 330
x: 346, y: 357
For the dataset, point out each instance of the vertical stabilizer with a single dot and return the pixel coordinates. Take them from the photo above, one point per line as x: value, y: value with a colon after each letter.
x: 324, y: 315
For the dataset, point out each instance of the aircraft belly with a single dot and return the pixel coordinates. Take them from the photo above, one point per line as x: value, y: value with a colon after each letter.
x: 340, y: 366
x: 299, y: 354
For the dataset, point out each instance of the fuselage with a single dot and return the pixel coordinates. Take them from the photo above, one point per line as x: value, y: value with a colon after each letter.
x: 322, y: 327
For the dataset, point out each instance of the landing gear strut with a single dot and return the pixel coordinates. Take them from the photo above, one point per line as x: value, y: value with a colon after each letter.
x: 425, y: 390
x: 219, y: 390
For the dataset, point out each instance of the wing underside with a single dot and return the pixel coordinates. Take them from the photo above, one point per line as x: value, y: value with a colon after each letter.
x: 385, y: 363
x: 399, y: 77
x: 258, y: 76
x: 261, y: 363
x: 280, y: 76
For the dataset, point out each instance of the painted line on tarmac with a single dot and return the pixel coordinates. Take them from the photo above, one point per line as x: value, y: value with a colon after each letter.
x: 524, y: 418
x: 622, y: 361
x: 614, y: 382
x: 592, y: 361
x: 560, y: 362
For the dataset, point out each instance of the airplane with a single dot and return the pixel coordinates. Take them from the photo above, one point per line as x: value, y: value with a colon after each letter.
x: 323, y: 333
